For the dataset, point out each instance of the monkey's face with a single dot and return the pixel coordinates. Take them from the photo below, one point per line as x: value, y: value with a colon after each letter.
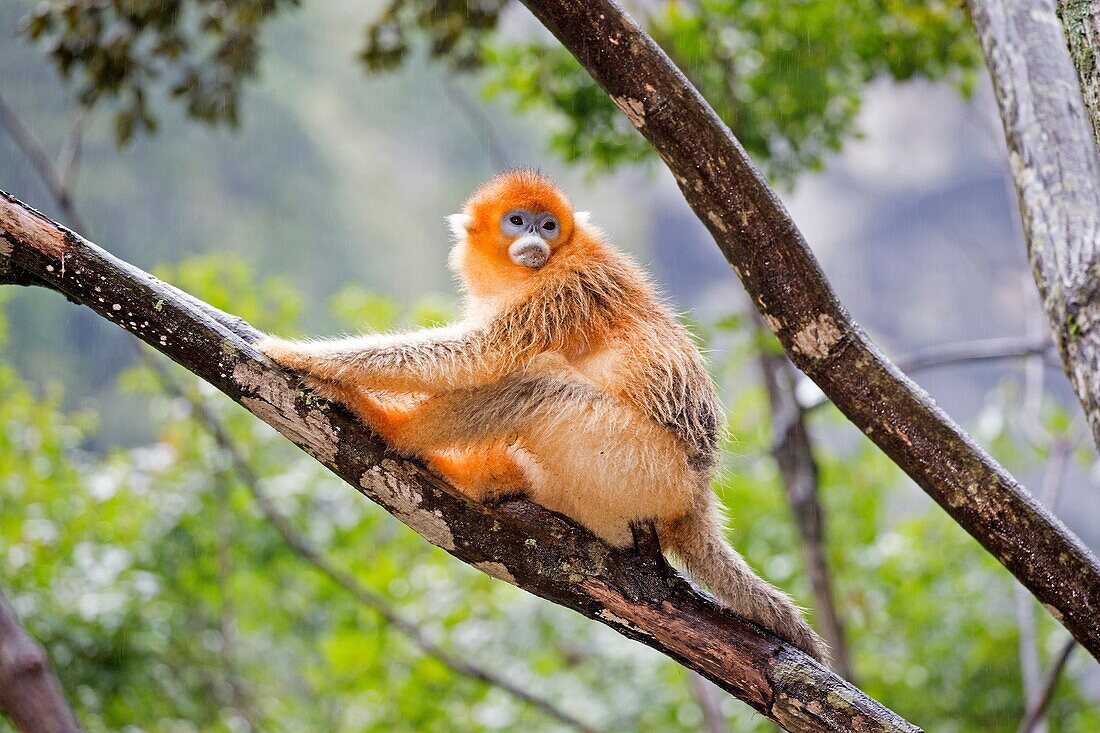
x: 509, y: 232
x: 531, y: 233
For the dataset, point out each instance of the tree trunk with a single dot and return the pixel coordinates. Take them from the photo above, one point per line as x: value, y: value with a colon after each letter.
x: 1056, y: 168
x: 30, y: 695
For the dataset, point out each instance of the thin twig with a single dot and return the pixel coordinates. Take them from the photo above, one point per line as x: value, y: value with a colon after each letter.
x: 1036, y: 711
x: 499, y: 156
x: 705, y: 694
x: 67, y: 164
x: 55, y: 183
x: 240, y: 697
x: 315, y: 557
x: 964, y: 352
x: 950, y: 354
x: 793, y: 451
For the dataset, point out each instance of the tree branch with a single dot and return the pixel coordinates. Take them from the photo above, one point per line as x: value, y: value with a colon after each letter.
x: 1056, y: 167
x: 635, y: 593
x: 60, y: 184
x: 30, y: 694
x: 978, y: 350
x: 304, y: 549
x: 482, y: 126
x: 707, y: 697
x: 796, y: 301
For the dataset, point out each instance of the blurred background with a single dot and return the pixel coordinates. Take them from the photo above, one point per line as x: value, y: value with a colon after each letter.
x: 304, y: 188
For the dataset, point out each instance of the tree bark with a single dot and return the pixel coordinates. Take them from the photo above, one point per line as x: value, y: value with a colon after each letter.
x: 1056, y: 169
x: 30, y: 694
x: 633, y: 591
x: 796, y: 301
x: 1081, y: 20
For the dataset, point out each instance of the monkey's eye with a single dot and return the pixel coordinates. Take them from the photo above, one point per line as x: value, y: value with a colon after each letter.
x: 549, y: 226
x: 516, y: 219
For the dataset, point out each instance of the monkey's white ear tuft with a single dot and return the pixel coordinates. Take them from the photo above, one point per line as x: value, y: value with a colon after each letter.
x: 580, y: 218
x: 460, y: 224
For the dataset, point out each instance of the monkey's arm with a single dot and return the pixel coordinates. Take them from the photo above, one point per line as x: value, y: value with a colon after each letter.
x: 562, y: 315
x: 431, y: 360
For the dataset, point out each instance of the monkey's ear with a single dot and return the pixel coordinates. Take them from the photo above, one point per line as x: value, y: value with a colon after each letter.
x: 580, y: 218
x: 460, y: 224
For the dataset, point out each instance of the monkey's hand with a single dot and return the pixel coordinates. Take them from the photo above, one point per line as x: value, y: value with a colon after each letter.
x: 324, y: 381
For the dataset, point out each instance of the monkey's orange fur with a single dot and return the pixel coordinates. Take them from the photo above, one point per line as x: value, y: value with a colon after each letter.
x: 568, y: 381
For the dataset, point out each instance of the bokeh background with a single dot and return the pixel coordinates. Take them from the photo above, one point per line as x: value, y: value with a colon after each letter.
x: 169, y: 603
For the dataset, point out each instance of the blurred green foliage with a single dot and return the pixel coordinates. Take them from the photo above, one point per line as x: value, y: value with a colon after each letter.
x: 786, y: 77
x: 167, y: 603
x: 199, y: 50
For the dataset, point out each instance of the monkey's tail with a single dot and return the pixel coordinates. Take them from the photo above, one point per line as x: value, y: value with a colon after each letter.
x: 696, y: 540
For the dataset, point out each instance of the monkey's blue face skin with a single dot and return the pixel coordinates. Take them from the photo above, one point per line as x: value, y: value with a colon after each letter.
x: 530, y: 232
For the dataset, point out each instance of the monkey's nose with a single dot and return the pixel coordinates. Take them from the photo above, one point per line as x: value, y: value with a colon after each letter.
x: 530, y: 252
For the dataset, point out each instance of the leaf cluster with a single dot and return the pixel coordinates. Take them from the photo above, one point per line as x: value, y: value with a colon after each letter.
x: 201, y: 51
x: 787, y: 78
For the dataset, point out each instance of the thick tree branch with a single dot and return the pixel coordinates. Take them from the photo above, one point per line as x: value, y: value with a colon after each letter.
x: 30, y: 694
x: 796, y: 301
x: 308, y: 552
x: 1056, y: 168
x: 634, y: 592
x: 59, y: 184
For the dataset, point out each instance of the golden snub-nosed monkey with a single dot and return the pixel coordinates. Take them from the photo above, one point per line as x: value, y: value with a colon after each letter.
x: 568, y: 380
